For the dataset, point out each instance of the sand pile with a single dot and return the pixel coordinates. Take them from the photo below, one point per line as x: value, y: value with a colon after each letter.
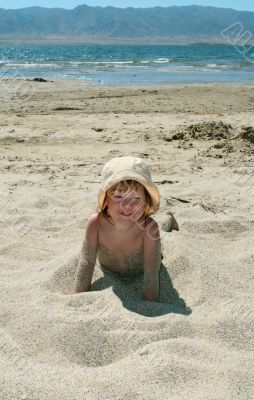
x: 247, y: 133
x: 228, y: 139
x: 202, y: 131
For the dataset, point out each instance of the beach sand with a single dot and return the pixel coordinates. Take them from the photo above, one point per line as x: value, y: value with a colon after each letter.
x: 197, y: 342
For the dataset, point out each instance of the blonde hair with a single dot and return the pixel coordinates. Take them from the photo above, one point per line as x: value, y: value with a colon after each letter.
x: 123, y: 187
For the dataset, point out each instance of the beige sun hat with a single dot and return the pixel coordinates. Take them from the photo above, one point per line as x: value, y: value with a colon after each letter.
x: 128, y: 168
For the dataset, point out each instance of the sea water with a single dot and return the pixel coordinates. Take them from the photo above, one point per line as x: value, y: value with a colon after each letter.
x: 130, y: 64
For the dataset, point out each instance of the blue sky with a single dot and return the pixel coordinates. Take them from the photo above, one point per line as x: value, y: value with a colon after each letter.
x: 247, y: 5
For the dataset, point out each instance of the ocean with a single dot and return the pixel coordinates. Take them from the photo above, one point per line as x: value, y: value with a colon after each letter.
x: 130, y: 64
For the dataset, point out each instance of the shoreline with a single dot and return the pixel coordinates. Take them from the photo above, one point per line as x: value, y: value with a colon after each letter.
x: 132, y: 81
x: 81, y: 96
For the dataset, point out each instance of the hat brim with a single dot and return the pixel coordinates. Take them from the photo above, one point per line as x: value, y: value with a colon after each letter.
x: 130, y: 175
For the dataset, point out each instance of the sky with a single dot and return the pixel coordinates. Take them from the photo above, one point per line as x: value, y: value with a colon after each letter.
x: 247, y: 5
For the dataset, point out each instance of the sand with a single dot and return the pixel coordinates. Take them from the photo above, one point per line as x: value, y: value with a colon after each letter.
x: 197, y: 342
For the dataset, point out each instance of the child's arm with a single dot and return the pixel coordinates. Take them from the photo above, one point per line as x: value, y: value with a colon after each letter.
x: 87, y: 257
x: 152, y: 261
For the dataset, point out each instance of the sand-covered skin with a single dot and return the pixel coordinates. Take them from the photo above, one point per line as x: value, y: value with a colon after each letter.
x: 197, y: 343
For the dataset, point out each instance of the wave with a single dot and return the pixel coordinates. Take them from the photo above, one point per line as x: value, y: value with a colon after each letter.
x: 117, y: 72
x: 75, y: 63
x: 222, y: 66
x: 29, y: 65
x: 162, y: 60
x: 66, y: 64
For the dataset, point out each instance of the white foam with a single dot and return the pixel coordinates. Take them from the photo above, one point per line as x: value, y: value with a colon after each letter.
x: 162, y: 60
x: 31, y: 65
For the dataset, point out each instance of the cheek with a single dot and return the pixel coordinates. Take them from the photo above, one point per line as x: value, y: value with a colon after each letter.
x: 139, y: 207
x: 112, y: 205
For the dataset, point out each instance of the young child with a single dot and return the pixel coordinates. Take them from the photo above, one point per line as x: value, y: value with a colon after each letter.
x: 122, y: 234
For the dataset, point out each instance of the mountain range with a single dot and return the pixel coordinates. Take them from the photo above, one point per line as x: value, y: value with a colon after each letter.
x: 149, y: 25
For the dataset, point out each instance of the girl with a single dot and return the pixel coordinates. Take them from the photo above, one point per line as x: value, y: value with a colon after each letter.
x: 122, y: 234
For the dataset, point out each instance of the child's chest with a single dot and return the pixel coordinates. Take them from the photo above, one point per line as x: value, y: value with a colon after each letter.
x: 121, y: 242
x: 121, y: 252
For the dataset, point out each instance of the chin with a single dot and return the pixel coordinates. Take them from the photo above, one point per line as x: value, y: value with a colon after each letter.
x: 131, y: 217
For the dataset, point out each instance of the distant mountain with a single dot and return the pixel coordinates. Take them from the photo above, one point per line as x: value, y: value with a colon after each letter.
x: 157, y: 24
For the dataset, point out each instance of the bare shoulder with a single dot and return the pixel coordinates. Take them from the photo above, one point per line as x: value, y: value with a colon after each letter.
x: 152, y: 231
x: 92, y: 223
x: 91, y: 236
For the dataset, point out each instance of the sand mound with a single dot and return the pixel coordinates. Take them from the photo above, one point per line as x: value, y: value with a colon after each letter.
x: 202, y: 131
x: 247, y: 132
x: 62, y: 280
x: 229, y: 139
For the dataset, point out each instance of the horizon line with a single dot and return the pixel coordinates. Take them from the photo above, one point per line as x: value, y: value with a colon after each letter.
x: 124, y: 8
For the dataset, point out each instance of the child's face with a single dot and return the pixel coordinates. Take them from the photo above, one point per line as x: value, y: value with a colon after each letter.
x: 126, y: 207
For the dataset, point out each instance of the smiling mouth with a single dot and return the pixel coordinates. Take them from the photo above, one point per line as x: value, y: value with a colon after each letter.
x: 126, y: 215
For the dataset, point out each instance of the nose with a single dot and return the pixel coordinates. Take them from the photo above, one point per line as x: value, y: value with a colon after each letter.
x: 127, y: 204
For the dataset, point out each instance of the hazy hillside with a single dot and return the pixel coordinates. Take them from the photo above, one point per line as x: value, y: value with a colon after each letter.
x: 157, y: 23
